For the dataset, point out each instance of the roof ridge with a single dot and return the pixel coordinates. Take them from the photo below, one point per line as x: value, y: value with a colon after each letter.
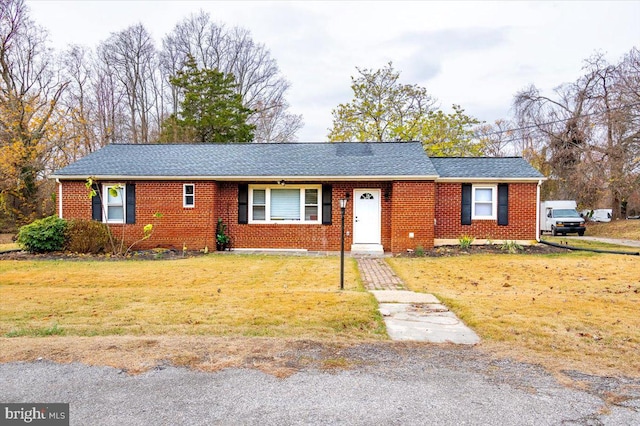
x: 257, y: 143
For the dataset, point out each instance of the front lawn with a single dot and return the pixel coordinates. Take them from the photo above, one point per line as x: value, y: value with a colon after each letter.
x: 219, y: 295
x: 570, y: 311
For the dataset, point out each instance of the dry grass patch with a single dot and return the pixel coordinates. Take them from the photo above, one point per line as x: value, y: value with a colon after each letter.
x: 8, y: 246
x: 221, y: 295
x: 136, y: 354
x: 627, y: 229
x: 574, y: 311
x: 581, y: 242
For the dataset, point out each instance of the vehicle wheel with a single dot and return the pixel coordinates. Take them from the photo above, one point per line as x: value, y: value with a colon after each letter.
x: 554, y: 231
x: 581, y: 233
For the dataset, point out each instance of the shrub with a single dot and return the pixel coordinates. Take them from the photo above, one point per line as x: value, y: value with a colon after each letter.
x: 43, y: 235
x: 86, y: 236
x: 465, y: 241
x: 511, y: 247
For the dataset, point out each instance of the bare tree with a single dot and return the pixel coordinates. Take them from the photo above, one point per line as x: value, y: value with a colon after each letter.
x: 233, y: 51
x: 587, y: 136
x: 563, y: 123
x: 30, y: 91
x: 131, y: 55
x: 498, y: 139
x: 80, y: 125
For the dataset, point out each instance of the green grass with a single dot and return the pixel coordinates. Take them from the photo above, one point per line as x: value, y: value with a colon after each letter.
x: 37, y: 332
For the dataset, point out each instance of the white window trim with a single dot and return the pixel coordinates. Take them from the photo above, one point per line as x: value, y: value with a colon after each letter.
x: 184, y: 196
x: 105, y: 203
x: 494, y: 202
x: 267, y: 205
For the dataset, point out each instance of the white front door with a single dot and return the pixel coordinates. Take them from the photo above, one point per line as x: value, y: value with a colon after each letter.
x: 366, y: 216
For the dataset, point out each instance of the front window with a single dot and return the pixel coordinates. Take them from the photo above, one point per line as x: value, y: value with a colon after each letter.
x: 114, y: 203
x: 484, y: 202
x: 284, y: 205
x: 188, y: 195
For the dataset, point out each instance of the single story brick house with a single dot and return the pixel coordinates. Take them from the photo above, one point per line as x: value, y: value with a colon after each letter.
x: 287, y: 196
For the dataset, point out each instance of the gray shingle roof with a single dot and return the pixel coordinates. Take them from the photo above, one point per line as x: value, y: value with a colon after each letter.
x: 484, y: 168
x: 360, y: 159
x: 309, y: 160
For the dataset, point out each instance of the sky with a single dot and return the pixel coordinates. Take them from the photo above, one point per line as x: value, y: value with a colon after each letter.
x: 476, y: 54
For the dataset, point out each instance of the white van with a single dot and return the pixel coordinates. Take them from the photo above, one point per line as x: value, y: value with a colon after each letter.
x: 598, y: 215
x: 560, y: 217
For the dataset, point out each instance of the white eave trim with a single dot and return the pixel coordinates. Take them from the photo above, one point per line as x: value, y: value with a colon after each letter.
x: 248, y: 178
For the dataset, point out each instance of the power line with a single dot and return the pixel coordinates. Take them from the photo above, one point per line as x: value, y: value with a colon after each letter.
x: 533, y: 126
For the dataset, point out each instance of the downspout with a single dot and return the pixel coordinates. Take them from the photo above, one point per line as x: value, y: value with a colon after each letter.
x: 59, y: 198
x: 538, y: 210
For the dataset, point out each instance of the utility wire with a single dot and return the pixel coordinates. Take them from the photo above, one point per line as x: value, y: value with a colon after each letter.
x: 533, y: 126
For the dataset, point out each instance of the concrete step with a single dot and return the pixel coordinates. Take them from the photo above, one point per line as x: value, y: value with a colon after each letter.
x: 367, y: 249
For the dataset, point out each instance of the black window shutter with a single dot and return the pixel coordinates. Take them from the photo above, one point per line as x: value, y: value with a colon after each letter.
x: 465, y: 218
x: 326, y: 204
x: 96, y: 204
x: 130, y: 193
x: 503, y: 204
x: 243, y: 203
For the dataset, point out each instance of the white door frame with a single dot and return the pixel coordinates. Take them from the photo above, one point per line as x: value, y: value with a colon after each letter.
x: 372, y: 231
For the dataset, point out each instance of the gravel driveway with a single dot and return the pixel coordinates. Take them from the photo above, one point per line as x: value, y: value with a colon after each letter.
x: 440, y: 385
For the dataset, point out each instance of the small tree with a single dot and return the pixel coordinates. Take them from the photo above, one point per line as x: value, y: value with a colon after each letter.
x: 211, y: 110
x: 117, y: 247
x: 383, y: 109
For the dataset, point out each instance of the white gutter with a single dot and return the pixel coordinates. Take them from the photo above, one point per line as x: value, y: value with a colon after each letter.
x: 538, y: 210
x: 59, y: 198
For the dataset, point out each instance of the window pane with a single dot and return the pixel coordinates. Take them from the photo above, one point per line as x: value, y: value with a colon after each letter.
x: 188, y: 200
x: 483, y: 209
x: 311, y: 213
x: 114, y: 200
x: 188, y: 189
x: 285, y: 204
x: 483, y: 194
x: 115, y: 213
x: 259, y: 197
x: 258, y: 213
x: 311, y: 196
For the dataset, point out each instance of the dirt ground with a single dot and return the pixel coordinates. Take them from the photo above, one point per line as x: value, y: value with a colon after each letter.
x: 166, y: 254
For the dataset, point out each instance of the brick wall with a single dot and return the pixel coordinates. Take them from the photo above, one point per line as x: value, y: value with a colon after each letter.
x: 522, y: 215
x: 413, y: 212
x: 406, y: 207
x: 315, y: 237
x: 195, y: 227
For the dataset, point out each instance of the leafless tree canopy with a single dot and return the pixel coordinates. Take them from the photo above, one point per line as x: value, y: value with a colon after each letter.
x: 586, y: 135
x: 57, y: 107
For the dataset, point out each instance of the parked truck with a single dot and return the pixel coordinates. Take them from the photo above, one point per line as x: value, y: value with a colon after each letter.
x: 560, y: 217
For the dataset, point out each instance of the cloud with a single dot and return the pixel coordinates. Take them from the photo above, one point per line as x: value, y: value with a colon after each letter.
x: 426, y: 51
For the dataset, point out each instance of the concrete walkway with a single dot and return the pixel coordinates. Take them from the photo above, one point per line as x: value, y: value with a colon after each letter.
x: 408, y: 315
